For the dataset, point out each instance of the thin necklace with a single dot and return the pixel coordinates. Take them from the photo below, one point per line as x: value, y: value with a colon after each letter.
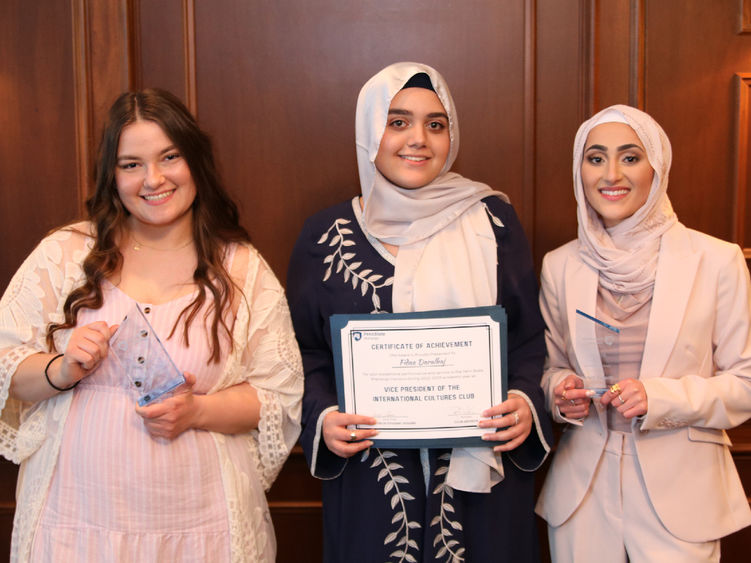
x: 138, y: 245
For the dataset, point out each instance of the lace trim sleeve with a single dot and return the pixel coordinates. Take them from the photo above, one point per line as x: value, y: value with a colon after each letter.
x: 34, y: 298
x: 271, y: 363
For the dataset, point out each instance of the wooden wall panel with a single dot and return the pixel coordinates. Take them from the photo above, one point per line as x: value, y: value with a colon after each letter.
x: 282, y: 111
x: 692, y: 56
x: 109, y: 66
x: 38, y: 173
x: 561, y: 56
x: 612, y: 53
x: 160, y: 30
x: 744, y: 19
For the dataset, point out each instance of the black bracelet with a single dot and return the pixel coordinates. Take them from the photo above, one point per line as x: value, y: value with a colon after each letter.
x: 47, y: 375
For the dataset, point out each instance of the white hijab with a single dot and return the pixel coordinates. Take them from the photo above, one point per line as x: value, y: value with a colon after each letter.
x: 626, y: 255
x: 447, y: 250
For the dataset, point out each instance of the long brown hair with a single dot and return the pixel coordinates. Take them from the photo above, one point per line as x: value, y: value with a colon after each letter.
x: 215, y: 215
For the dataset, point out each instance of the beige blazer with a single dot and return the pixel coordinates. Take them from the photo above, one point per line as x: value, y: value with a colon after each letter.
x: 696, y: 370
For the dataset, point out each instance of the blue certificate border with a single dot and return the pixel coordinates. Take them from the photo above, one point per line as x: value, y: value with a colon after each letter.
x: 496, y: 313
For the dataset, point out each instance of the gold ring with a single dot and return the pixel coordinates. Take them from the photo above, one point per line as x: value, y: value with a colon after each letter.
x: 563, y: 395
x: 615, y: 389
x: 516, y: 417
x: 621, y: 398
x: 352, y: 436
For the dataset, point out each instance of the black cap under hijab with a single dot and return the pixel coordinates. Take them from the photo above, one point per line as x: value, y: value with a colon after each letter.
x: 419, y: 80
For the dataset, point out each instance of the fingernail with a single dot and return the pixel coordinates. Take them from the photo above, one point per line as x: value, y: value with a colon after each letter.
x: 590, y: 393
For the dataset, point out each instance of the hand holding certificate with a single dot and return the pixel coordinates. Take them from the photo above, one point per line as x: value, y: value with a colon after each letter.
x: 426, y: 378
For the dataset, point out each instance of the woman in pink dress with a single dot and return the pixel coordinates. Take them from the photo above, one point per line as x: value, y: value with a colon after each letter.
x: 181, y: 479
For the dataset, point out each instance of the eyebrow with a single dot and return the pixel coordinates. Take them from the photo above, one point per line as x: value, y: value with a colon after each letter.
x: 621, y: 148
x: 397, y: 111
x: 129, y: 157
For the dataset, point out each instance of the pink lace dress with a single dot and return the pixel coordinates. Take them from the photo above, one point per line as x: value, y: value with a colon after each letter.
x: 116, y: 491
x: 93, y: 484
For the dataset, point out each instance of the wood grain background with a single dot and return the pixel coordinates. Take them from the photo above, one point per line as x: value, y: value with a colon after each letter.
x: 275, y: 82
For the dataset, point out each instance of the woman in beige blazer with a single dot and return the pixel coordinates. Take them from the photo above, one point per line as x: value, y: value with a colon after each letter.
x: 649, y: 362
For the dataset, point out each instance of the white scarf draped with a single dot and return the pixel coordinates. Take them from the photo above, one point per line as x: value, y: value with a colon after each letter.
x: 447, y: 250
x: 626, y: 255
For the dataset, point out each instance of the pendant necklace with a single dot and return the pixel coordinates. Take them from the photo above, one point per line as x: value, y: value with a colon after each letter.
x: 138, y: 245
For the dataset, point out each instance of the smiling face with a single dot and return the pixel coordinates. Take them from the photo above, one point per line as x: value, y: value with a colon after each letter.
x: 415, y: 144
x: 153, y: 179
x: 615, y: 172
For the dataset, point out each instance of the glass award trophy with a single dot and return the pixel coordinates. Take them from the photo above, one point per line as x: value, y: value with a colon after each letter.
x: 139, y: 353
x: 606, y: 338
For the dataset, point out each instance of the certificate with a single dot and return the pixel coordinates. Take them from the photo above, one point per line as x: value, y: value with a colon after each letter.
x: 425, y: 377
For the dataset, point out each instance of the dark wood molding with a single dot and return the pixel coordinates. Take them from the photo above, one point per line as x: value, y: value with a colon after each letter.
x: 741, y: 153
x: 587, y: 58
x: 530, y: 122
x: 132, y: 19
x: 637, y: 55
x: 744, y: 19
x: 189, y: 54
x: 82, y: 89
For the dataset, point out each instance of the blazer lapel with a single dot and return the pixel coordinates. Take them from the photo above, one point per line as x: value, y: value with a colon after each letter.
x: 676, y: 272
